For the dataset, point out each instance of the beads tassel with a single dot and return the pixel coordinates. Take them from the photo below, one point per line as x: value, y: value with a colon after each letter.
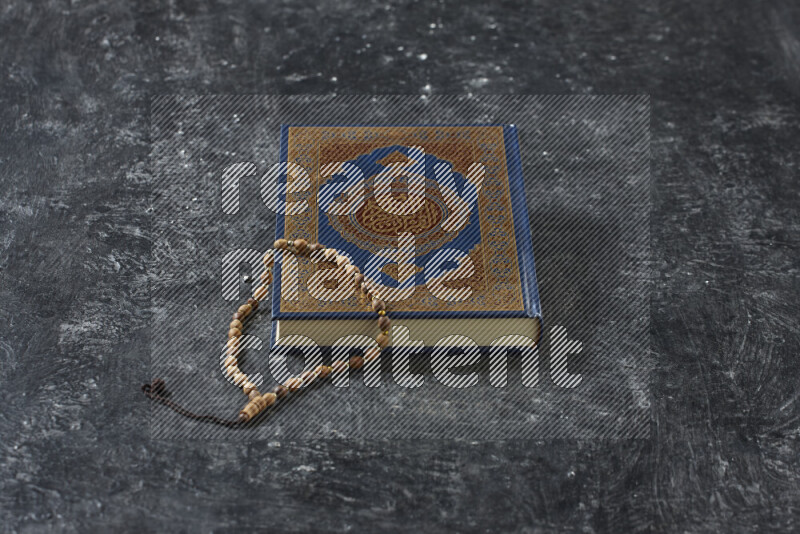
x: 258, y: 402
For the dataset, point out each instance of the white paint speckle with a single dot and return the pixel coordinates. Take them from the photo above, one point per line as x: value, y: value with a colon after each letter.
x: 479, y: 82
x: 305, y: 468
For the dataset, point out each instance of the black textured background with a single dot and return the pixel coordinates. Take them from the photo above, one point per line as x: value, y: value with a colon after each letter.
x: 75, y: 82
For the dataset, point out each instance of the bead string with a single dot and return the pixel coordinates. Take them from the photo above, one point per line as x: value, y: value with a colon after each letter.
x: 258, y: 402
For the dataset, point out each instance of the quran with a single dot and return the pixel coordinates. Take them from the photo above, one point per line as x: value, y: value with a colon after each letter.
x: 433, y: 216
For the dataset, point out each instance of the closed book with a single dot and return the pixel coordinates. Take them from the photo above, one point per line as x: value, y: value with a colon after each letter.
x: 434, y: 217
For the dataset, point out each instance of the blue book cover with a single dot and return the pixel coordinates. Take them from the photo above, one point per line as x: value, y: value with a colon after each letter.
x: 435, y: 218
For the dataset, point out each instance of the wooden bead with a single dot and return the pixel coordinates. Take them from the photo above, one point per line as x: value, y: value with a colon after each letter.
x: 236, y: 323
x: 383, y: 340
x: 253, y: 303
x: 341, y: 261
x: 269, y: 399
x: 239, y: 378
x: 293, y: 384
x: 245, y: 309
x: 253, y: 408
x: 253, y: 394
x: 230, y: 360
x: 323, y: 371
x: 356, y: 362
x: 266, y: 277
x: 359, y: 279
x: 384, y: 323
x: 339, y: 366
x: 260, y: 292
x: 372, y: 354
x: 238, y: 316
x: 351, y: 270
x: 234, y: 342
x: 234, y: 332
x: 269, y: 258
x: 280, y: 391
x: 248, y: 412
x: 300, y: 245
x: 378, y: 305
x: 231, y: 370
x: 233, y: 351
x: 330, y: 254
x: 309, y: 377
x: 316, y: 246
x: 281, y: 244
x: 261, y: 402
x: 247, y: 387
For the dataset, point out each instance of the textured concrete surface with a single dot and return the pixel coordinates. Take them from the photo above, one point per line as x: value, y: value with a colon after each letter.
x: 75, y: 82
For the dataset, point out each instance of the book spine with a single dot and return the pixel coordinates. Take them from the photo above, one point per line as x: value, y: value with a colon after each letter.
x: 522, y: 229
